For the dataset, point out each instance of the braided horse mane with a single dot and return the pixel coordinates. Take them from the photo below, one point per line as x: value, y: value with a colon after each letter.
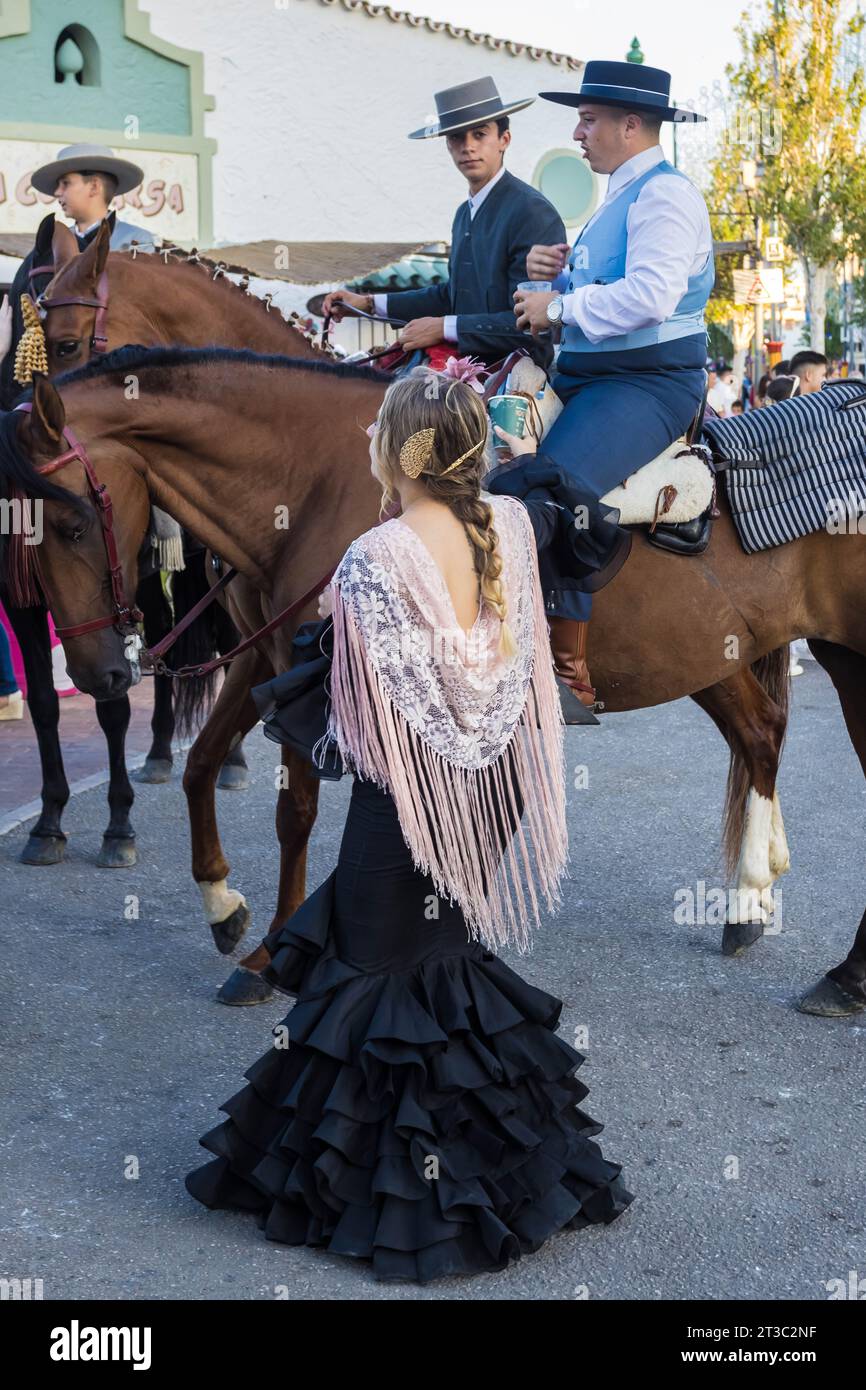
x: 220, y: 270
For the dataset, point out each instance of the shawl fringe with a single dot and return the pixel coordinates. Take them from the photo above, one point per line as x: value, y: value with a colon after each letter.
x: 457, y: 820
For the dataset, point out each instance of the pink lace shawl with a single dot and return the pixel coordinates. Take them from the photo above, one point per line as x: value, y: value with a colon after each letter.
x: 457, y: 735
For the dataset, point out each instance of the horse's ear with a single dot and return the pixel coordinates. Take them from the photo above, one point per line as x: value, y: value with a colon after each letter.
x: 93, y: 258
x: 63, y: 245
x: 48, y: 416
x: 44, y: 235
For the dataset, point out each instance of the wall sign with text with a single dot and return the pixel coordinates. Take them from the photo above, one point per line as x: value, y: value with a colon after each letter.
x: 166, y: 201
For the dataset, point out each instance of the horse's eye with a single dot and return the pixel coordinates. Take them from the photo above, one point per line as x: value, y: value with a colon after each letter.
x: 67, y: 347
x: 74, y: 532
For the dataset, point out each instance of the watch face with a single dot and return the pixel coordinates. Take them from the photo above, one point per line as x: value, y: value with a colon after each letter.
x: 554, y: 310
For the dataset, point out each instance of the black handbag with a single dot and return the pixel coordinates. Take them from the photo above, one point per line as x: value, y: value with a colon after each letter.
x: 295, y: 706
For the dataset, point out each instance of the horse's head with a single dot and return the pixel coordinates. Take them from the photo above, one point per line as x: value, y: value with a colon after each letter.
x: 67, y: 545
x: 71, y: 298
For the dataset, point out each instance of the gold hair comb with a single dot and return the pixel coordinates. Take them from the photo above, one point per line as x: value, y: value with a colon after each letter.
x: 463, y: 457
x: 417, y: 452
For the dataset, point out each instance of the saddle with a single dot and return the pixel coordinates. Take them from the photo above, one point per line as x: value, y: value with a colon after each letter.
x: 672, y: 496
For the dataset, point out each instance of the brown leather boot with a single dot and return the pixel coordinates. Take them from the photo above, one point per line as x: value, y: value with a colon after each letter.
x: 568, y: 645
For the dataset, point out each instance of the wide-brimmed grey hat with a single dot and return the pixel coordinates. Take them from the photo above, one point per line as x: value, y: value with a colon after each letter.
x: 472, y: 103
x: 98, y: 158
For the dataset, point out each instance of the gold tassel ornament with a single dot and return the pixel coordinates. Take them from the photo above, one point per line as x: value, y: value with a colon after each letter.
x: 30, y: 355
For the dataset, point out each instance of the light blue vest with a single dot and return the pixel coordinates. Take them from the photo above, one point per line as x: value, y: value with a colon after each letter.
x: 598, y: 258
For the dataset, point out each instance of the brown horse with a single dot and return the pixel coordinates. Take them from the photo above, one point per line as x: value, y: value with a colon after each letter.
x: 201, y: 413
x: 183, y: 299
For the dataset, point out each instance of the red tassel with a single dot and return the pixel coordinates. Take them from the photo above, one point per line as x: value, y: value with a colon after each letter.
x: 21, y: 564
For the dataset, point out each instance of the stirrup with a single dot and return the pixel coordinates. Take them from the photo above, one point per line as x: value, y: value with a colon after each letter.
x: 574, y: 711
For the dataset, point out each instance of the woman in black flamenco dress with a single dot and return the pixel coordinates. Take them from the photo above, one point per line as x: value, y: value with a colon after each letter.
x: 417, y: 1108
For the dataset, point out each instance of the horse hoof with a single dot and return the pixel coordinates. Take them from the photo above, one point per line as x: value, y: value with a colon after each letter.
x: 117, y: 854
x: 154, y: 770
x: 739, y: 936
x: 228, y: 933
x: 244, y: 987
x: 233, y: 778
x: 830, y: 1000
x: 44, y: 849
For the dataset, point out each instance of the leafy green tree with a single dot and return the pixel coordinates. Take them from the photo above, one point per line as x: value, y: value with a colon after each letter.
x: 797, y: 114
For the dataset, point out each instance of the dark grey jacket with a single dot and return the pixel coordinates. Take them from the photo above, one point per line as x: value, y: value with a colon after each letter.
x: 488, y: 260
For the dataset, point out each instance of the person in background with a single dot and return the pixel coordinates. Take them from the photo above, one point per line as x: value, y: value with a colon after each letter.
x: 782, y: 368
x: 811, y: 368
x: 761, y: 390
x: 493, y: 231
x: 721, y: 394
x: 11, y: 700
x: 737, y: 407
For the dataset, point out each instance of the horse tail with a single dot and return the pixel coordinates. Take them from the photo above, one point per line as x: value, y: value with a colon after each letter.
x: 194, y: 695
x: 773, y: 672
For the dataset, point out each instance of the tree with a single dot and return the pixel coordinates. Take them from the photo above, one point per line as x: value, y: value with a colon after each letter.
x: 798, y: 116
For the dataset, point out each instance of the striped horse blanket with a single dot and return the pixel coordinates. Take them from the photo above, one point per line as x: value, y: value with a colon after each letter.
x: 794, y: 467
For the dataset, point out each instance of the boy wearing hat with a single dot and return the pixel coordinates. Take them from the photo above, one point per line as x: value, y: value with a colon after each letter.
x: 492, y: 233
x: 84, y: 179
x: 630, y: 301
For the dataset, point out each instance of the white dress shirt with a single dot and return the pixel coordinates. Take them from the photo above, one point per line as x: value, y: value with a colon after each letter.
x: 669, y: 239
x: 449, y: 330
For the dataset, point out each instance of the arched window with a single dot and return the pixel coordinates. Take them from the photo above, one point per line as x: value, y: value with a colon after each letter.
x: 76, y: 57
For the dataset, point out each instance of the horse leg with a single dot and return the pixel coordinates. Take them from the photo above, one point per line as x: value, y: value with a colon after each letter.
x: 754, y: 725
x: 46, y: 842
x: 232, y: 716
x: 157, y: 622
x: 296, y: 815
x: 118, y: 843
x: 842, y: 991
x: 234, y: 775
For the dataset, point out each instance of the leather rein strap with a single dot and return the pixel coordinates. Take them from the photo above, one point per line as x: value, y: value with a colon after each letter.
x: 99, y: 341
x: 125, y: 616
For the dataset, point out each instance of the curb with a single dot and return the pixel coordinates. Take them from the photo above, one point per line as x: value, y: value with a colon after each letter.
x: 29, y: 809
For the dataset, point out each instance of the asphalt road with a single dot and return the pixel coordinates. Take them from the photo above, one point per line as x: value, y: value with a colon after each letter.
x: 117, y: 1054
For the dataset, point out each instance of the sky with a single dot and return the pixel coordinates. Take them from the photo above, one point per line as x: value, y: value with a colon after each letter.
x: 693, y: 42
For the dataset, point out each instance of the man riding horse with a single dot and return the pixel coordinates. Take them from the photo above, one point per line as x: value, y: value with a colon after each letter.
x: 630, y: 302
x: 84, y: 179
x: 492, y: 234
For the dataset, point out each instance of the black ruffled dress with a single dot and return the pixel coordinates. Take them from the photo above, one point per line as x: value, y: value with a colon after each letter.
x: 425, y: 1115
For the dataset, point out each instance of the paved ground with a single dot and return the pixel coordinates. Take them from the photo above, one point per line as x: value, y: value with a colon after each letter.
x: 117, y: 1055
x: 83, y: 744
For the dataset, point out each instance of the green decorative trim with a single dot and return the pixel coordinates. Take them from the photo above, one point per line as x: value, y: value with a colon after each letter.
x: 15, y: 19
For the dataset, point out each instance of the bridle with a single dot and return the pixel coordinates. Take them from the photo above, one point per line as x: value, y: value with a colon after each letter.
x: 126, y: 615
x: 99, y: 340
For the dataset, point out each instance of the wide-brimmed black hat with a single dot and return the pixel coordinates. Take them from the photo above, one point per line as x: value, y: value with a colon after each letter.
x: 472, y: 103
x: 630, y: 85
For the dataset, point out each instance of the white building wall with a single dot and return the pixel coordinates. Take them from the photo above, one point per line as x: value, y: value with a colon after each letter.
x: 314, y: 104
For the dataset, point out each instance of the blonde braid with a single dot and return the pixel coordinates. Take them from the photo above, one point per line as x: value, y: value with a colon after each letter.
x: 477, y: 519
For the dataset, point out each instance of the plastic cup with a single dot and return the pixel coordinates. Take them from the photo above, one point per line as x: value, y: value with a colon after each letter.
x: 509, y: 413
x: 535, y: 286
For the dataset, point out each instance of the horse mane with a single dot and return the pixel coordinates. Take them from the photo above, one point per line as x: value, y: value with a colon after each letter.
x: 134, y: 357
x: 17, y: 471
x: 172, y: 255
x: 19, y: 480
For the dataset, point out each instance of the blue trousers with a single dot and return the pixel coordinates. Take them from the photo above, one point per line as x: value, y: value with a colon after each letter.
x: 8, y: 683
x: 621, y: 410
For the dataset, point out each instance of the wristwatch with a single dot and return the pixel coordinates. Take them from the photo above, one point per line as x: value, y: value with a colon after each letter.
x: 554, y: 310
